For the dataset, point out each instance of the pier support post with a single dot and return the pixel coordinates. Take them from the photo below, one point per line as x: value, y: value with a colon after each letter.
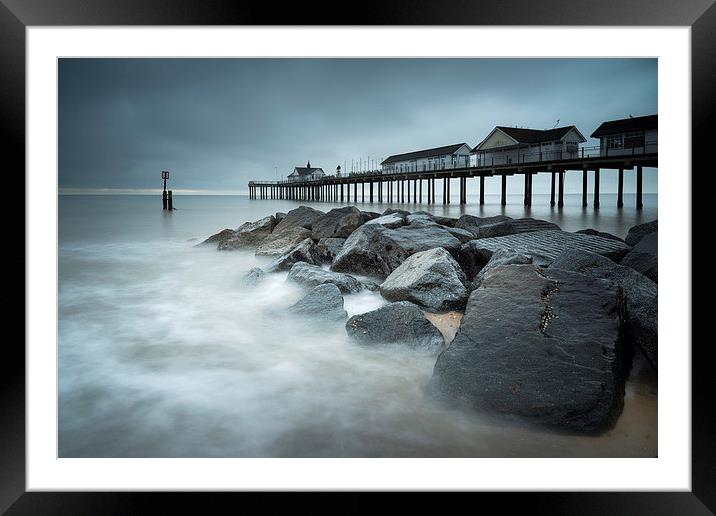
x: 408, y: 181
x: 421, y: 190
x: 415, y: 191
x: 370, y: 187
x: 527, y: 181
x: 444, y: 190
x: 432, y: 188
x: 584, y: 187
x: 560, y: 200
x: 552, y: 189
x: 639, y: 178
x: 596, y: 187
x: 529, y: 189
x: 482, y: 190
x: 620, y: 188
x: 503, y: 200
x: 402, y: 191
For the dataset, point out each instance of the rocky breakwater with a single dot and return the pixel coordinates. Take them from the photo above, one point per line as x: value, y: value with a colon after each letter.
x: 550, y: 317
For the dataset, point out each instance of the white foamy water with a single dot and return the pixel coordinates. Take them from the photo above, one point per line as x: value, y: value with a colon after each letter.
x: 163, y: 353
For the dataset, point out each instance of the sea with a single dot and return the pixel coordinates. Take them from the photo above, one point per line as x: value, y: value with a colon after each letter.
x: 163, y: 353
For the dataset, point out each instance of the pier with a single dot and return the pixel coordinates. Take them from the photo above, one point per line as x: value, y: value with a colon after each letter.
x: 408, y: 187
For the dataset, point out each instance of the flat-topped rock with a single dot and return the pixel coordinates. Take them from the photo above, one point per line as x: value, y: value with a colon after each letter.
x: 471, y: 223
x: 431, y: 279
x: 323, y: 302
x: 303, y: 216
x: 391, y: 220
x: 603, y: 234
x: 544, y: 344
x: 498, y: 258
x: 641, y: 296
x: 310, y: 275
x: 305, y: 251
x: 395, y: 323
x: 282, y: 240
x: 639, y: 231
x: 547, y: 245
x: 512, y: 227
x: 644, y: 256
x: 337, y: 223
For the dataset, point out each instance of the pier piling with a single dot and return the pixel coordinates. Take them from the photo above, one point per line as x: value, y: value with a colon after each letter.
x: 596, y: 187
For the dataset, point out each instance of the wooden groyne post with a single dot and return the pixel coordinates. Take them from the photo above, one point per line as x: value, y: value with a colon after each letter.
x: 166, y: 199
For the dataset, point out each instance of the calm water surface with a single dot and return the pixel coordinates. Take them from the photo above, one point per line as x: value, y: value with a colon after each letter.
x: 162, y: 353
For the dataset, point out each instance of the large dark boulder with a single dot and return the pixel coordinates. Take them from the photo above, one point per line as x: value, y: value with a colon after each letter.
x: 499, y: 258
x: 544, y: 344
x: 282, y: 240
x: 431, y: 279
x: 305, y: 251
x: 471, y: 223
x: 374, y: 250
x: 512, y: 227
x: 311, y: 275
x: 391, y: 220
x: 644, y: 257
x: 219, y: 238
x: 330, y: 247
x: 395, y: 323
x: 337, y: 223
x: 303, y: 217
x: 323, y: 302
x: 636, y: 233
x: 542, y: 246
x: 249, y: 234
x: 641, y: 329
x: 603, y: 234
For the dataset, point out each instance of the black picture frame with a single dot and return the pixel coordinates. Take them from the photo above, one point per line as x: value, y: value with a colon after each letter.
x: 16, y: 15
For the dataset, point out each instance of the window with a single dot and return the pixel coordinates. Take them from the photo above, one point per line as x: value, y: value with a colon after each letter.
x: 635, y: 139
x: 615, y: 141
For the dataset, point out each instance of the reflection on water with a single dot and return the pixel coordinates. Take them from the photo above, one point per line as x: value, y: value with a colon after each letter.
x: 163, y: 353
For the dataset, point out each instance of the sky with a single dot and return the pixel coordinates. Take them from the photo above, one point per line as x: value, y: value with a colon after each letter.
x: 218, y: 123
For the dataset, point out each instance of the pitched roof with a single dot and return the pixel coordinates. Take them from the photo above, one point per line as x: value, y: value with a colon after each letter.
x: 304, y: 171
x: 437, y: 151
x: 638, y: 123
x: 521, y: 135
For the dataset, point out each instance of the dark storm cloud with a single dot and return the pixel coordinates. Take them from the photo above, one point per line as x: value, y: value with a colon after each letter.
x: 216, y: 123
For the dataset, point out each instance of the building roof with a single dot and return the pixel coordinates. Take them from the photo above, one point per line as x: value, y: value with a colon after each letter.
x: 305, y: 171
x: 437, y: 151
x: 527, y: 136
x: 624, y: 125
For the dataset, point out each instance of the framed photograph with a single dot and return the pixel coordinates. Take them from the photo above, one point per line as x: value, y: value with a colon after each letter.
x: 273, y: 252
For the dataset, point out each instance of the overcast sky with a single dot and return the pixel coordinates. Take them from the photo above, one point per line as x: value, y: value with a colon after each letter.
x: 217, y: 123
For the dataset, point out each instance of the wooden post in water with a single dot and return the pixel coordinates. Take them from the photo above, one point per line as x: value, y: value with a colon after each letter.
x: 415, y: 191
x: 408, y: 181
x: 448, y: 190
x: 526, y: 187
x: 370, y: 186
x: 421, y: 190
x: 529, y: 189
x: 482, y: 190
x: 444, y: 190
x: 165, y: 176
x: 584, y: 187
x: 620, y: 188
x: 560, y: 200
x: 170, y: 206
x: 503, y: 200
x: 596, y: 187
x: 639, y: 203
x: 552, y: 189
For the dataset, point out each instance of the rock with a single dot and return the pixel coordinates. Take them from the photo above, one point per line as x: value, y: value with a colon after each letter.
x: 329, y: 248
x: 369, y: 215
x: 303, y: 217
x: 463, y: 235
x: 337, y: 223
x: 641, y: 329
x: 391, y: 221
x: 218, y: 238
x: 305, y: 251
x: 498, y: 258
x: 324, y: 302
x: 639, y: 231
x: 282, y: 240
x: 544, y: 344
x: 473, y: 257
x: 420, y: 217
x: 252, y: 233
x: 279, y: 216
x: 644, y: 257
x: 431, y: 279
x: 603, y: 234
x: 443, y: 221
x: 512, y: 227
x: 253, y: 277
x: 311, y: 275
x: 373, y: 250
x: 472, y: 223
x: 542, y: 246
x: 390, y: 211
x: 395, y: 323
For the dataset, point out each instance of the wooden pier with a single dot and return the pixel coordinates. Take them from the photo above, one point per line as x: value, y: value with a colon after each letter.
x: 398, y: 187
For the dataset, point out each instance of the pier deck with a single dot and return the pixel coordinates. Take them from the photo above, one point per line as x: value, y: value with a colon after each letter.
x: 396, y: 187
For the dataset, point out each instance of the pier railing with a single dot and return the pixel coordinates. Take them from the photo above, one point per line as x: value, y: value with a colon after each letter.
x: 522, y: 158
